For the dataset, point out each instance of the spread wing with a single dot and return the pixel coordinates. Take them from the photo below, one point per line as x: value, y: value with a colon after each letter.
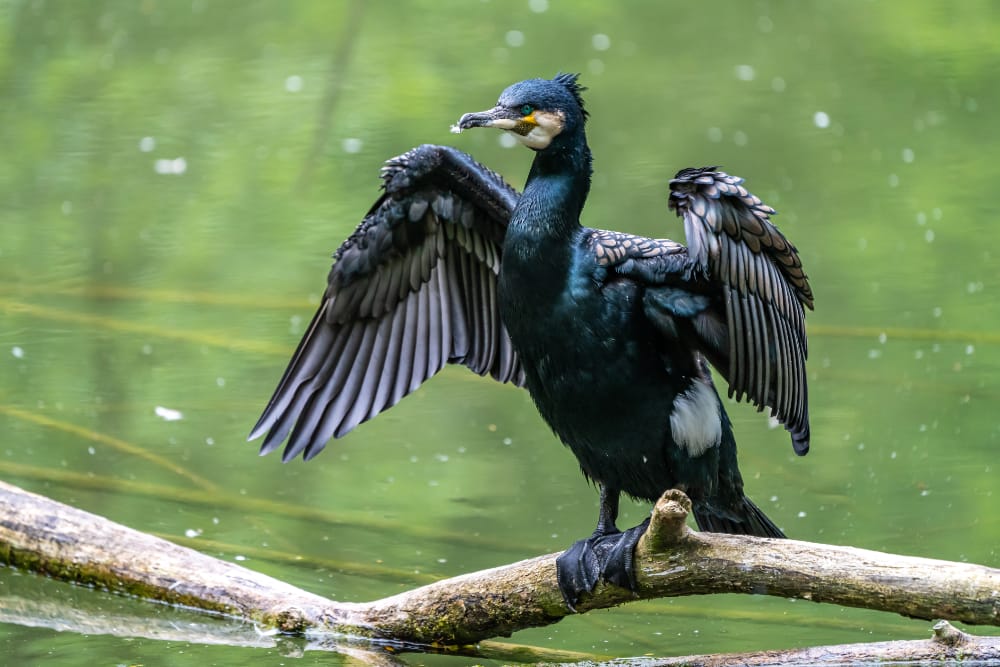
x: 732, y: 242
x: 413, y: 288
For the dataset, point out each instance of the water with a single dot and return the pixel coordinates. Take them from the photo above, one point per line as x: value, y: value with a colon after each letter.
x: 176, y: 175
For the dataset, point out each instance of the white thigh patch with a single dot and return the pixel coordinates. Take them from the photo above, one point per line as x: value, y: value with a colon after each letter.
x: 695, y: 421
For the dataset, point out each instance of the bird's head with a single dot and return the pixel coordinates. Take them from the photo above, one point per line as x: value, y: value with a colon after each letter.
x: 536, y: 111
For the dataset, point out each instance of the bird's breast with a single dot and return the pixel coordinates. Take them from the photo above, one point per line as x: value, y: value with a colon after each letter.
x: 599, y: 374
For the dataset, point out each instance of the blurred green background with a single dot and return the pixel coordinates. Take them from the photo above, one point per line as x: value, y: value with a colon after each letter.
x: 175, y: 175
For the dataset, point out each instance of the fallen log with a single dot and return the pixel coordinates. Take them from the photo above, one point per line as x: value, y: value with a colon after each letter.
x: 44, y: 536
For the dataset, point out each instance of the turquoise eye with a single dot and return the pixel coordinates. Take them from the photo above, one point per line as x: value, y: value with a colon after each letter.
x: 526, y: 109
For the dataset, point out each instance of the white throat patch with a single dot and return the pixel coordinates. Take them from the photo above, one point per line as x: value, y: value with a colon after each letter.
x: 547, y: 125
x: 695, y: 422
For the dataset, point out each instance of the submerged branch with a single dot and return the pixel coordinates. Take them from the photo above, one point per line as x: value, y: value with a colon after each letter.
x: 947, y: 645
x: 44, y: 536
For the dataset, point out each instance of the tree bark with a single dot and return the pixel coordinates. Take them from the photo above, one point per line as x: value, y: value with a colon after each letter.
x: 44, y: 536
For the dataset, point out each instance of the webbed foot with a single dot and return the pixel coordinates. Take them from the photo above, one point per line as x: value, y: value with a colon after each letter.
x: 607, y: 556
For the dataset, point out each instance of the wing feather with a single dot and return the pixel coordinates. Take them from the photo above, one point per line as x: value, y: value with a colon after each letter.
x: 368, y: 376
x: 435, y: 344
x: 488, y: 290
x: 420, y: 352
x: 390, y: 366
x: 408, y: 346
x: 317, y: 395
x: 459, y: 323
x: 413, y: 288
x: 732, y: 241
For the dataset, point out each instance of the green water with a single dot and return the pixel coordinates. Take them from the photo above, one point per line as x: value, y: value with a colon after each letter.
x: 176, y: 174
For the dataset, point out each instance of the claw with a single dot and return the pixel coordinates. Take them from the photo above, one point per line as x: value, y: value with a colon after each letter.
x: 578, y: 569
x: 620, y: 566
x: 607, y: 556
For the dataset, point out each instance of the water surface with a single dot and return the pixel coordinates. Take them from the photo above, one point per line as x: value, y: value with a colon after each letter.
x: 176, y: 176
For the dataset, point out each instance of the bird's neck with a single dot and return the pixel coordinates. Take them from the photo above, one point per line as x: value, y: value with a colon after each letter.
x: 556, y: 190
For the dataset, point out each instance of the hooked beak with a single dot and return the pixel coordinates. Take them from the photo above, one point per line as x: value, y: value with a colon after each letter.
x: 499, y: 117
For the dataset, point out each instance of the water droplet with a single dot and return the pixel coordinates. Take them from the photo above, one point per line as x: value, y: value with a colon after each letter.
x: 146, y: 144
x: 538, y: 6
x: 168, y: 167
x: 293, y: 84
x: 745, y: 72
x: 821, y: 120
x: 514, y: 38
x: 352, y: 145
x: 168, y: 414
x: 908, y: 155
x: 17, y: 351
x: 600, y: 42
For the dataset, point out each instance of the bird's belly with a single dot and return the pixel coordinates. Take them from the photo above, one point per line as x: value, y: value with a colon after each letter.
x: 598, y: 381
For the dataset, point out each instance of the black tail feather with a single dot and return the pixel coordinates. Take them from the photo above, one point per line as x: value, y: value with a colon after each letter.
x: 743, y: 519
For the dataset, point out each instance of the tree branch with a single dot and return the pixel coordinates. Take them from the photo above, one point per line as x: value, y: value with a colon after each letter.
x: 44, y: 536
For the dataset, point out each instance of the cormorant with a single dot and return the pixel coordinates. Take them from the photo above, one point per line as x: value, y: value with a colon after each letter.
x: 611, y: 333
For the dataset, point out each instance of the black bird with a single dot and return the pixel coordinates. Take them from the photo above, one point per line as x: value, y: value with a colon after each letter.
x: 611, y: 333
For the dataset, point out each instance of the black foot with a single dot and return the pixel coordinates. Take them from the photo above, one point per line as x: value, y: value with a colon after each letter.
x: 603, y: 555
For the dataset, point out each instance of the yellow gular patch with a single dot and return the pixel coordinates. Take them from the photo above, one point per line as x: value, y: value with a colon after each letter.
x: 537, y: 129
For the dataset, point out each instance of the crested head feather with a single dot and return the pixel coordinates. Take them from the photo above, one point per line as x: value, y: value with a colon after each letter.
x: 569, y: 81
